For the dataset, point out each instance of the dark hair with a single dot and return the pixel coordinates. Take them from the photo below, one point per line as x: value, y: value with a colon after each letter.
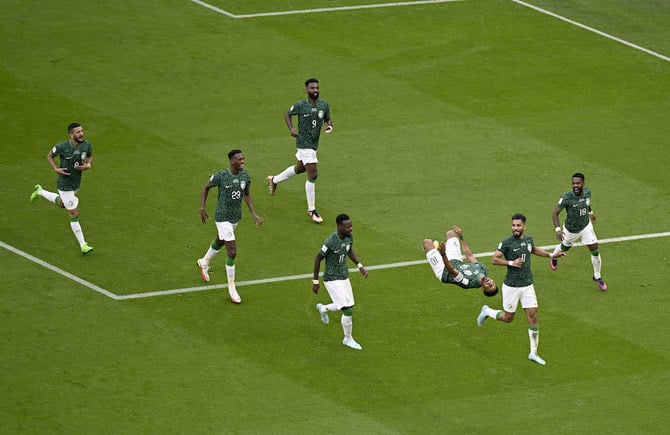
x: 341, y: 218
x: 72, y: 127
x: 519, y: 216
x: 578, y: 175
x: 312, y: 80
x: 491, y: 293
x: 231, y: 153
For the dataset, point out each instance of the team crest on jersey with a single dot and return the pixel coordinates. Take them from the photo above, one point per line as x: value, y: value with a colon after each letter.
x: 529, y: 248
x: 243, y: 185
x: 320, y: 114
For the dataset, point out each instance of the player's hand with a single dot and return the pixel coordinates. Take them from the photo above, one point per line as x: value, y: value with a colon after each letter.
x: 203, y: 215
x: 363, y: 272
x: 315, y: 288
x: 559, y: 235
x: 560, y: 254
x: 328, y: 129
x: 258, y: 220
x: 592, y: 217
x: 62, y: 171
x: 294, y: 133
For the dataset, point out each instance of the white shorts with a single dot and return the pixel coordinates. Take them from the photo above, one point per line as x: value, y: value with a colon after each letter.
x: 226, y: 231
x: 453, y: 252
x: 306, y: 155
x: 512, y: 295
x: 588, y: 236
x: 340, y: 292
x: 69, y: 198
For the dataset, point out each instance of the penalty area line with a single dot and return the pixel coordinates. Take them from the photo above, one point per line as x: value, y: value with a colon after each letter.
x: 317, y: 10
x: 59, y: 271
x: 116, y: 297
x: 591, y: 29
x: 374, y: 267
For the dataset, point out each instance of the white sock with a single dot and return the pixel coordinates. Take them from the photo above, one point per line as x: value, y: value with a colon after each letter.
x: 284, y: 175
x: 209, y: 256
x: 493, y: 313
x: 230, y: 271
x: 347, y: 325
x: 597, y: 264
x: 76, y: 229
x: 311, y: 195
x: 49, y: 196
x: 534, y: 340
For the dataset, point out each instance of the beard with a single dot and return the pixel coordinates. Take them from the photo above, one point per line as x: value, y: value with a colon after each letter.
x: 314, y: 95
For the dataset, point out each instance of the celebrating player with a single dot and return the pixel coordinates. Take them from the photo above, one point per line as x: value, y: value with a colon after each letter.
x: 312, y: 113
x: 76, y: 155
x: 578, y: 223
x: 448, y: 266
x: 234, y: 185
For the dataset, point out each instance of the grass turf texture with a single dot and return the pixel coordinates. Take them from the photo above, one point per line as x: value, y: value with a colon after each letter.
x: 458, y: 113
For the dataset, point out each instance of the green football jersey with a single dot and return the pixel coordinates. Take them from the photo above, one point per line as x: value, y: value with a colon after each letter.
x: 472, y: 274
x: 513, y: 248
x: 577, y: 209
x: 70, y: 157
x: 231, y: 191
x: 336, y: 250
x: 310, y: 120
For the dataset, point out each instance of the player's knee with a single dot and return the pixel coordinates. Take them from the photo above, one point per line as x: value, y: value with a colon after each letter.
x: 299, y: 169
x: 348, y: 311
x: 595, y: 252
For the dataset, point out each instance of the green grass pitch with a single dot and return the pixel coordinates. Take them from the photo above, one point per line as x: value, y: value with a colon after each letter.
x: 445, y: 113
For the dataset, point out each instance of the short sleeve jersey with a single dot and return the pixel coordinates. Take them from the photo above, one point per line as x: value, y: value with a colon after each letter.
x: 70, y: 157
x: 472, y: 274
x: 310, y: 120
x: 231, y: 191
x: 577, y: 209
x: 513, y: 248
x: 336, y: 251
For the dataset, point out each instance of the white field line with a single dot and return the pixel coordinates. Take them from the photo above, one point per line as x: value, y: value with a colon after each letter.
x: 59, y: 271
x: 591, y: 29
x: 267, y: 280
x: 412, y: 3
x: 311, y: 11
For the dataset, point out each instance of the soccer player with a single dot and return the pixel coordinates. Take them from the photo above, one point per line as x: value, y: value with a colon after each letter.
x: 448, y: 266
x: 578, y: 224
x: 312, y: 113
x: 518, y: 284
x: 335, y: 249
x: 75, y: 156
x: 234, y: 185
